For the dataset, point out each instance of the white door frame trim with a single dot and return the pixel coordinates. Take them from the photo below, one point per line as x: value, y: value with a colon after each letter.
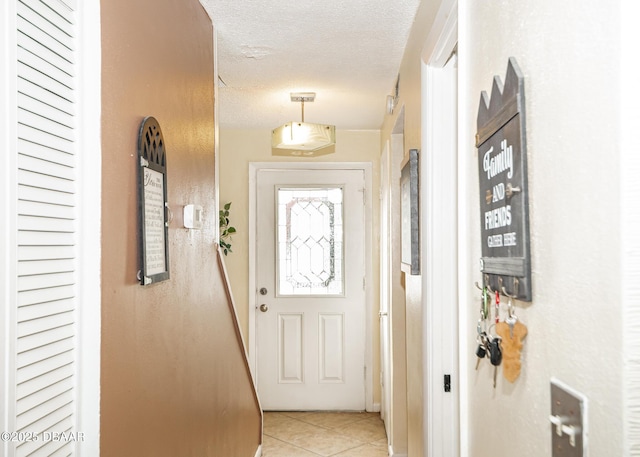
x: 8, y: 211
x: 629, y: 96
x: 367, y: 168
x: 439, y: 194
x: 90, y: 227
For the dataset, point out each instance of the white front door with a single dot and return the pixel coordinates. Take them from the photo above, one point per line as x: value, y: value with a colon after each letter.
x: 310, y: 322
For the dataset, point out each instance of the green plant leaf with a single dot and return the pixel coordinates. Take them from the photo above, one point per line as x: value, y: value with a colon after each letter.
x: 225, y: 229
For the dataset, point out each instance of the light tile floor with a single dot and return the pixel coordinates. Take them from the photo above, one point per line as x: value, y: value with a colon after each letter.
x: 313, y: 434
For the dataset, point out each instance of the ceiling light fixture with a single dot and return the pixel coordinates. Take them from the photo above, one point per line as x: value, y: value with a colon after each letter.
x: 303, y: 138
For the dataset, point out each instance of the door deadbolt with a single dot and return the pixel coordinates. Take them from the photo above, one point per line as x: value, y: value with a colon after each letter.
x: 263, y: 291
x: 264, y: 308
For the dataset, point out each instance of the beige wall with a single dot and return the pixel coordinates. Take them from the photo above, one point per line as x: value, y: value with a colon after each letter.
x: 409, y: 105
x: 173, y: 380
x: 395, y: 416
x: 237, y: 149
x: 570, y: 62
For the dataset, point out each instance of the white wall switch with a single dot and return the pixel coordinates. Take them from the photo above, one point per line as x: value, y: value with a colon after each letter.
x: 568, y: 421
x: 192, y: 217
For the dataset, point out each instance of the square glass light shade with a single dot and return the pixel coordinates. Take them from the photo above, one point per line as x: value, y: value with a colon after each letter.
x: 303, y: 139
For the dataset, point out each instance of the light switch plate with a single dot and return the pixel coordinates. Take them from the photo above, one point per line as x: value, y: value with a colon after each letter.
x: 568, y: 421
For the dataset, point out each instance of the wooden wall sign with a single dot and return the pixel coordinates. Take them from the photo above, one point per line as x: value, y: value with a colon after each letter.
x: 152, y: 204
x: 504, y: 205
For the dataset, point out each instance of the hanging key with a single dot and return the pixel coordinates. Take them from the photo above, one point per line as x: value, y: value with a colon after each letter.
x: 511, y: 322
x: 481, y: 352
x: 495, y: 355
x: 511, y: 318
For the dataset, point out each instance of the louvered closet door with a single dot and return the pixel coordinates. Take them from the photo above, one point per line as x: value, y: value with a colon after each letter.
x: 45, y: 331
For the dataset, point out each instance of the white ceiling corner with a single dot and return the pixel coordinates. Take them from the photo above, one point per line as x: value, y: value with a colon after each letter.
x: 347, y: 52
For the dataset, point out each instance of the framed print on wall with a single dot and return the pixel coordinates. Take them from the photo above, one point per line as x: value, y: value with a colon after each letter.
x: 410, y: 213
x: 152, y: 203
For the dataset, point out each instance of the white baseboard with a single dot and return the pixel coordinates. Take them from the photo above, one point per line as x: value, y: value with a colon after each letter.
x: 393, y: 454
x: 259, y: 451
x: 375, y: 408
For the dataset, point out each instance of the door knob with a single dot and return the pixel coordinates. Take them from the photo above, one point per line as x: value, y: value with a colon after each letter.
x: 264, y: 308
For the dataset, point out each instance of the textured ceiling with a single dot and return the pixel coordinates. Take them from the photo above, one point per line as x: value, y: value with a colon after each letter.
x: 346, y: 51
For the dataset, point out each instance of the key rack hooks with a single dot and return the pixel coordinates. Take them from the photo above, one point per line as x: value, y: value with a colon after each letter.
x: 506, y: 294
x: 487, y: 290
x: 516, y: 286
x: 510, y: 288
x: 502, y: 290
x: 486, y: 286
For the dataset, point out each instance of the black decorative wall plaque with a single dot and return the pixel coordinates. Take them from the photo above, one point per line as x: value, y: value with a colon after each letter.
x: 504, y: 206
x: 410, y: 212
x: 153, y: 207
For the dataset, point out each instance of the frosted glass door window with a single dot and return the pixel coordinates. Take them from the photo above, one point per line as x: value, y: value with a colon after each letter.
x: 310, y: 241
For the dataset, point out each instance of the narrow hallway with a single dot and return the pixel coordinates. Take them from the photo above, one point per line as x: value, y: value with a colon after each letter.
x: 312, y: 434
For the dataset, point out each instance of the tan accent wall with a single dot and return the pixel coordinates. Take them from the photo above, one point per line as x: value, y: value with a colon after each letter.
x: 174, y: 381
